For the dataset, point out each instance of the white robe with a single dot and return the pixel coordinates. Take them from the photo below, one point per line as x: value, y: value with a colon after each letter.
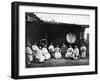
x: 40, y: 56
x: 46, y: 53
x: 57, y: 53
x: 69, y: 52
x: 35, y: 47
x: 29, y: 53
x: 51, y: 47
x: 38, y: 53
x: 76, y: 51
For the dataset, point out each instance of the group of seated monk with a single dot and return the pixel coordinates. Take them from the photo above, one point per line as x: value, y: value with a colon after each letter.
x: 64, y: 51
x: 41, y: 54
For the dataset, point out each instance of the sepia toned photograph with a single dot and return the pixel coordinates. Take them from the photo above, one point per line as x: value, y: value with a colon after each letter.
x: 54, y: 40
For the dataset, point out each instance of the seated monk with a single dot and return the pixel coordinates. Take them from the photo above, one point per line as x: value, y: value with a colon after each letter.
x: 76, y: 53
x: 69, y: 52
x: 51, y: 49
x: 29, y: 57
x: 57, y: 53
x: 35, y: 47
x: 46, y: 53
x: 39, y: 57
x: 63, y: 49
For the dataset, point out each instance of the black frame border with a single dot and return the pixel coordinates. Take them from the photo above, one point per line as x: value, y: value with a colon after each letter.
x: 15, y: 39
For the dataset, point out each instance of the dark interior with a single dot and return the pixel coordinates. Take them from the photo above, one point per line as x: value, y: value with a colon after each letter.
x: 52, y: 31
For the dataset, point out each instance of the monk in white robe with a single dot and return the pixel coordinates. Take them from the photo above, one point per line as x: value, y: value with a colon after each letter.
x: 29, y: 55
x: 57, y: 53
x: 69, y: 52
x: 38, y: 53
x: 35, y: 47
x: 40, y: 56
x: 51, y: 49
x: 76, y: 53
x: 46, y: 53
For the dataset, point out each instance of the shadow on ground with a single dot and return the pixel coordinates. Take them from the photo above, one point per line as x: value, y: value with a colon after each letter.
x: 60, y: 62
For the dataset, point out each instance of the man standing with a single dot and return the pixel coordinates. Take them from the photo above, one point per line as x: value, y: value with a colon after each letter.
x: 83, y: 51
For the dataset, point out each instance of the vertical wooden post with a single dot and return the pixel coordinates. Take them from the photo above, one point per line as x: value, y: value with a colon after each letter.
x: 46, y: 41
